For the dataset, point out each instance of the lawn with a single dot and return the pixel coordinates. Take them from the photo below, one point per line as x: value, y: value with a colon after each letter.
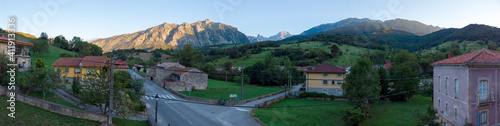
x: 383, y: 114
x: 248, y: 92
x: 397, y: 113
x: 124, y: 122
x: 51, y: 97
x: 51, y: 57
x: 305, y: 116
x: 221, y: 84
x: 27, y: 115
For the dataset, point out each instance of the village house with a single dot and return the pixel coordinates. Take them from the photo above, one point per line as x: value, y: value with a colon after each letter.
x: 121, y: 65
x: 466, y: 89
x: 138, y: 68
x: 325, y: 78
x: 21, y: 53
x: 78, y: 67
x: 177, y: 77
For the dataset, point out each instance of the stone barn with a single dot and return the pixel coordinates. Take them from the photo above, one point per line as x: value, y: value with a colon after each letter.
x: 177, y: 77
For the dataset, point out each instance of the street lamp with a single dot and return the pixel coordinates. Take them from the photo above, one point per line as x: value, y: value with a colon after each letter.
x: 156, y: 108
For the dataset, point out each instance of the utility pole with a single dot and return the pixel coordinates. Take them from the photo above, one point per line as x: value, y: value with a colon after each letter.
x: 242, y: 81
x: 289, y: 82
x: 110, y: 112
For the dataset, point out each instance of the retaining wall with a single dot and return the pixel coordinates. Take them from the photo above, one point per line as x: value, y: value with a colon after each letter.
x: 53, y: 107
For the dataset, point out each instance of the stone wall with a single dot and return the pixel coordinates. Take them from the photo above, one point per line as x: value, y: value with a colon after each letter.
x: 198, y: 80
x: 53, y: 107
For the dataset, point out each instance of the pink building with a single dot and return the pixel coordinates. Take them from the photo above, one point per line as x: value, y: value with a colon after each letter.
x: 466, y: 89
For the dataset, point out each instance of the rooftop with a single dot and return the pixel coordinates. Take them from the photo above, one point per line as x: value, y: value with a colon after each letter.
x: 325, y: 68
x: 3, y: 39
x: 482, y: 56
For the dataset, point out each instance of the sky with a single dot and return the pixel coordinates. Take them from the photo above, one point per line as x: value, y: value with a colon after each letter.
x: 90, y: 19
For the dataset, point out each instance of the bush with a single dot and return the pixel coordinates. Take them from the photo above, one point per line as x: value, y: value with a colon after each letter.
x: 66, y: 55
x: 315, y: 95
x: 237, y: 79
x: 75, y: 86
x: 352, y: 116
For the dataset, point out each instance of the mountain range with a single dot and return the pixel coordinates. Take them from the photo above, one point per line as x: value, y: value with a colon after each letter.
x: 281, y: 35
x: 164, y: 36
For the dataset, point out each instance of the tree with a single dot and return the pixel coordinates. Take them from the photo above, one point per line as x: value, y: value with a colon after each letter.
x: 4, y: 77
x: 402, y: 57
x: 44, y: 36
x: 384, y: 82
x: 40, y: 64
x: 209, y: 68
x: 41, y: 79
x: 96, y: 92
x: 40, y: 46
x: 492, y: 46
x: 187, y: 56
x: 228, y: 66
x: 362, y: 83
x: 405, y: 79
x: 76, y: 39
x: 61, y: 42
x: 427, y: 119
x: 335, y: 50
x: 352, y: 116
x: 75, y: 85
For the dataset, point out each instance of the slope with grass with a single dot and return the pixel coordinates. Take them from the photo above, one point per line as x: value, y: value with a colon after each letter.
x: 27, y: 115
x: 382, y: 114
x: 248, y: 92
x: 51, y: 57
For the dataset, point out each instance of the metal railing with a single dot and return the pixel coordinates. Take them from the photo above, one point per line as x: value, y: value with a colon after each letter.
x: 486, y: 99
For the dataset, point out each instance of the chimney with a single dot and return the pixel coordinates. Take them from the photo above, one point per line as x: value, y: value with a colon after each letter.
x: 450, y: 55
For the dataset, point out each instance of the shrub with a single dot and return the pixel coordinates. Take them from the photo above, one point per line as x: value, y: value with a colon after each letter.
x: 352, y: 116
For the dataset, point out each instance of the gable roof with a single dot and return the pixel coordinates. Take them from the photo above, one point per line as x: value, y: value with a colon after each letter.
x: 325, y: 68
x: 119, y: 64
x: 482, y: 56
x: 87, y: 61
x: 180, y: 72
x: 90, y: 61
x: 3, y: 39
x: 68, y: 62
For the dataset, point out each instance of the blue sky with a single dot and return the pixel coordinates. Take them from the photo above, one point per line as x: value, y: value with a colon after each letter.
x: 98, y: 19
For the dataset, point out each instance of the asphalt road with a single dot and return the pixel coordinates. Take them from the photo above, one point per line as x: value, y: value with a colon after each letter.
x: 178, y: 113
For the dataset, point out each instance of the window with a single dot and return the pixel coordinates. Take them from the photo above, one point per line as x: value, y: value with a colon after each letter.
x: 333, y: 82
x: 90, y: 70
x: 66, y: 69
x: 339, y: 92
x: 446, y: 86
x: 339, y: 75
x: 483, y: 90
x: 325, y: 82
x: 456, y: 114
x: 325, y: 75
x: 484, y: 118
x: 446, y: 108
x: 439, y: 103
x: 339, y: 82
x: 77, y: 71
x: 439, y: 83
x: 456, y: 88
x: 325, y: 91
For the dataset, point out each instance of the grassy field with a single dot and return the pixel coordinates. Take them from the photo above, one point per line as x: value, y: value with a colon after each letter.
x: 124, y: 122
x: 27, y: 115
x: 145, y: 56
x: 248, y: 92
x: 306, y: 116
x: 471, y: 46
x: 51, y: 57
x: 51, y: 97
x: 349, y: 54
x: 383, y: 114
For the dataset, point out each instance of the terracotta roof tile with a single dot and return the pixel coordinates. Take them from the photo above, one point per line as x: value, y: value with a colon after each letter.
x: 16, y: 41
x: 93, y: 61
x: 325, y: 68
x: 482, y: 56
x: 68, y: 62
x: 180, y: 72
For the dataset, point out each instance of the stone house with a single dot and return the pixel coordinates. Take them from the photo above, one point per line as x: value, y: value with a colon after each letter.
x: 177, y: 77
x: 466, y: 89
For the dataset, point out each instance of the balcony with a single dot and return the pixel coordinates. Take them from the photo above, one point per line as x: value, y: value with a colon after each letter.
x: 487, y: 99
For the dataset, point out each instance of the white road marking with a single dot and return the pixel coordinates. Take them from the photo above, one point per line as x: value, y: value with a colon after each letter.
x: 173, y: 97
x: 169, y: 97
x: 240, y: 109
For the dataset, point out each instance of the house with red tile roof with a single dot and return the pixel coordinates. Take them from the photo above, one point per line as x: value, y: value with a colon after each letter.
x: 467, y: 88
x: 121, y: 65
x: 78, y: 67
x: 177, y: 77
x: 20, y: 55
x: 325, y: 78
